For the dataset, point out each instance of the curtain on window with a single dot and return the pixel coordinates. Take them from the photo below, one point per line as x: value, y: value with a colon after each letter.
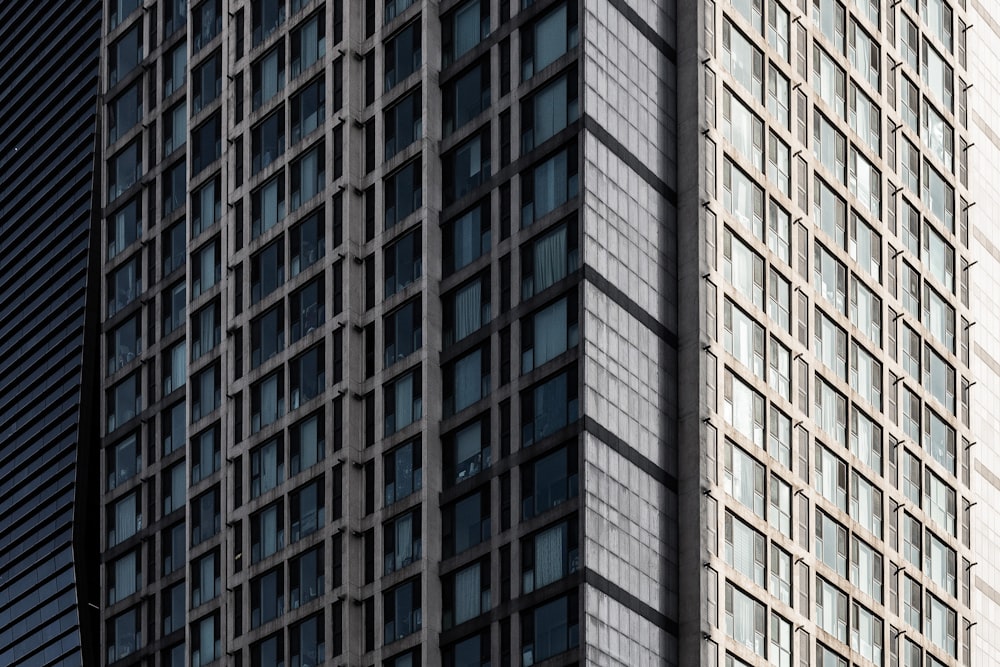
x: 178, y: 365
x: 468, y: 380
x: 269, y: 466
x: 550, y: 332
x: 550, y: 259
x: 268, y: 400
x: 468, y: 310
x: 310, y: 43
x: 743, y: 619
x: 206, y: 568
x: 309, y: 166
x: 206, y: 327
x: 468, y: 443
x: 550, y: 184
x: 125, y: 577
x: 125, y: 518
x: 467, y: 594
x: 550, y: 555
x: 550, y: 110
x: 404, y: 540
x: 404, y: 401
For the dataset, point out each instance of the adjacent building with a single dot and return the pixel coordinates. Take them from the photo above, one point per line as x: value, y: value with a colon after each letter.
x: 488, y: 332
x: 49, y: 318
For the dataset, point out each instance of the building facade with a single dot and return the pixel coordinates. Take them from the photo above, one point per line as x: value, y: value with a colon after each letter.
x: 361, y: 409
x: 48, y: 322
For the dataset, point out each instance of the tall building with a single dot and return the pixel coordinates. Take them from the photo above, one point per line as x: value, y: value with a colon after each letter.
x: 373, y: 413
x: 49, y: 318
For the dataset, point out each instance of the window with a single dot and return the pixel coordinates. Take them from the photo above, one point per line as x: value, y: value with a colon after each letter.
x: 866, y: 440
x: 940, y: 563
x: 403, y: 471
x: 828, y: 15
x: 267, y: 597
x: 267, y: 532
x: 781, y: 574
x: 124, y: 228
x: 779, y: 163
x: 866, y: 569
x: 308, y: 43
x: 173, y: 424
x: 205, y: 516
x: 394, y: 8
x: 940, y: 257
x: 124, y: 169
x: 866, y: 375
x: 549, y: 110
x: 744, y: 269
x: 743, y: 129
x: 830, y: 278
x: 206, y: 144
x: 307, y: 646
x: 267, y: 270
x: 942, y: 625
x: 830, y: 147
x: 464, y: 28
x: 939, y: 440
x: 403, y: 123
x: 865, y: 246
x: 466, y: 166
x: 124, y: 518
x: 403, y: 263
x: 866, y: 311
x: 474, y: 650
x: 306, y: 577
x: 401, y: 541
x: 307, y: 376
x: 744, y: 408
x: 173, y: 608
x: 118, y: 10
x: 205, y: 581
x: 124, y: 112
x: 865, y: 183
x: 831, y: 477
x: 940, y: 502
x: 175, y: 69
x: 466, y: 380
x: 307, y: 509
x: 466, y: 593
x: 831, y: 609
x: 308, y: 175
x: 865, y: 119
x: 268, y: 140
x: 124, y: 401
x: 939, y: 378
x: 307, y: 446
x: 124, y: 576
x: 549, y: 555
x: 267, y: 335
x: 831, y: 543
x: 746, y: 619
x: 743, y: 198
x: 547, y: 38
x: 549, y: 332
x: 830, y: 210
x: 207, y: 22
x: 937, y: 74
x: 549, y: 184
x: 206, y: 268
x: 267, y: 401
x: 743, y: 60
x: 549, y: 481
x: 124, y: 344
x: 308, y: 242
x: 780, y: 436
x: 830, y: 344
x: 124, y: 460
x: 777, y: 28
x: 205, y: 454
x: 939, y: 317
x: 937, y: 134
x: 829, y: 80
x: 174, y: 488
x: 744, y: 478
x: 268, y: 651
x: 402, y: 401
x: 779, y: 292
x: 403, y: 193
x: 548, y: 258
x: 267, y: 76
x: 206, y: 80
x: 266, y: 16
x: 403, y: 54
x: 173, y: 541
x: 548, y: 407
x: 467, y: 451
x: 465, y: 96
x: 174, y: 16
x: 124, y: 634
x: 866, y: 633
x: 866, y: 504
x: 173, y: 186
x: 781, y: 505
x: 777, y: 94
x: 206, y: 207
x: 308, y: 308
x: 778, y: 231
x: 267, y: 467
x: 402, y: 611
x: 745, y: 549
x: 125, y: 53
x: 550, y: 629
x: 205, y: 394
x: 864, y: 54
x: 752, y: 11
x: 308, y: 109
